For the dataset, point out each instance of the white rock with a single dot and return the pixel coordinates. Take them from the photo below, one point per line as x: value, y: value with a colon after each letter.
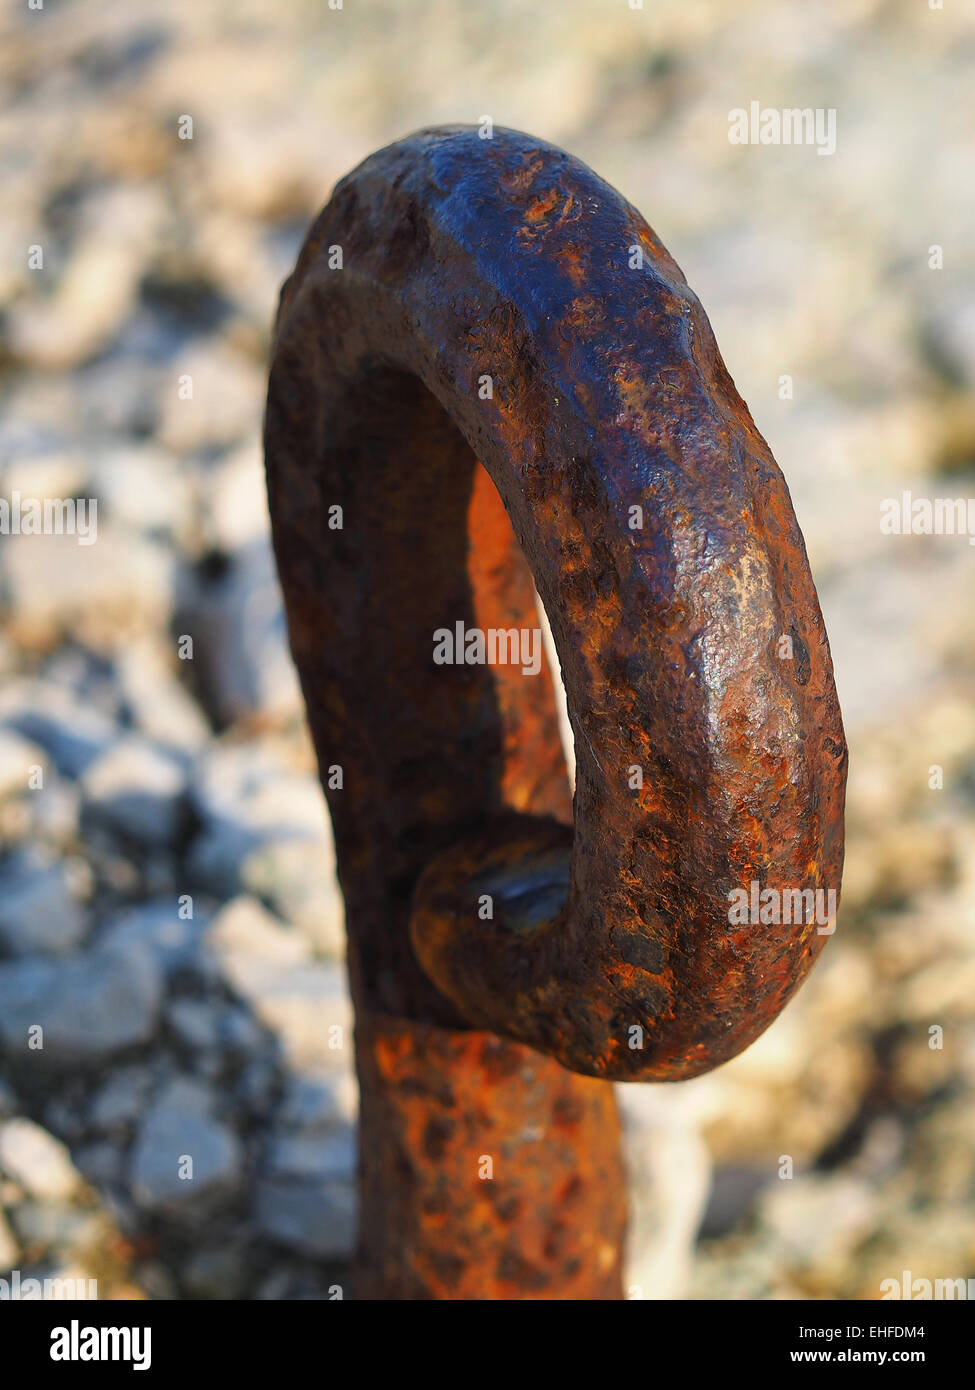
x: 9, y: 1249
x: 36, y: 1160
x: 820, y: 1218
x: 157, y: 703
x: 225, y: 406
x: 53, y: 584
x: 236, y: 500
x: 670, y: 1171
x: 247, y: 938
x: 91, y: 300
x: 140, y: 487
x: 46, y: 473
x: 18, y: 756
x: 95, y: 291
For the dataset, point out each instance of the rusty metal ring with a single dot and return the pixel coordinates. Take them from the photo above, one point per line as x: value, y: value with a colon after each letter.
x: 464, y: 299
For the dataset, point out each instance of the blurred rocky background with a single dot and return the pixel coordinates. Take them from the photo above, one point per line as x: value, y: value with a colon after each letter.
x: 168, y: 908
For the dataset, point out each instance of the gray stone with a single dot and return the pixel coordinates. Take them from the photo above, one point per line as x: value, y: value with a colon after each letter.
x: 38, y: 911
x: 217, y: 856
x: 316, y: 1219
x: 248, y: 801
x: 156, y: 926
x: 72, y: 734
x: 118, y: 398
x: 157, y: 1282
x: 266, y: 832
x: 122, y: 1099
x: 136, y: 791
x: 241, y: 1034
x: 90, y: 1007
x: 241, y: 644
x: 315, y: 1102
x: 100, y: 1163
x: 313, y: 1157
x: 208, y: 1065
x: 180, y: 1126
x: 952, y: 337
x: 257, y: 1087
x: 734, y: 1192
x: 277, y: 1286
x: 84, y: 676
x: 37, y: 1161
x: 304, y: 1001
x: 217, y: 1273
x: 63, y: 1117
x: 196, y: 1024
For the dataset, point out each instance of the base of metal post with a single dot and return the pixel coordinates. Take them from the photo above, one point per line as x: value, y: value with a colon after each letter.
x: 487, y: 1171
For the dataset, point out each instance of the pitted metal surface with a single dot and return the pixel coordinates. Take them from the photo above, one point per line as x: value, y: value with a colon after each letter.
x: 488, y: 370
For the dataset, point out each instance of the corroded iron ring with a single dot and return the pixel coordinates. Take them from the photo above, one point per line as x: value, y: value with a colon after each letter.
x: 558, y: 343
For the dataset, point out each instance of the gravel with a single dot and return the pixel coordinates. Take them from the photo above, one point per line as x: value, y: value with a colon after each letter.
x: 186, y: 993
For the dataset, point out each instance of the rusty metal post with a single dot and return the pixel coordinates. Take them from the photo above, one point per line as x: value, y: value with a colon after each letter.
x: 463, y: 300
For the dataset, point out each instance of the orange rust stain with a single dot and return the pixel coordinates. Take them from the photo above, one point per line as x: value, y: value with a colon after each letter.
x: 545, y: 214
x: 541, y: 207
x: 575, y: 263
